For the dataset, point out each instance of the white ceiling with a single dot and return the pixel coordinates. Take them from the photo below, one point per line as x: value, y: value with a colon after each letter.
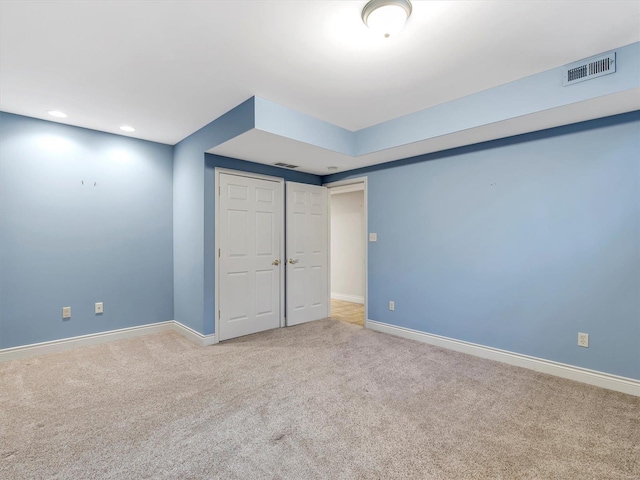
x: 170, y: 67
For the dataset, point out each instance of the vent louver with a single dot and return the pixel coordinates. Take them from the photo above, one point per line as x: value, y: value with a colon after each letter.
x: 590, y: 68
x: 285, y: 165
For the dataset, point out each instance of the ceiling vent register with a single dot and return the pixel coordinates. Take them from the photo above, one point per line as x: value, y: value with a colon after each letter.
x: 590, y: 68
x: 285, y: 165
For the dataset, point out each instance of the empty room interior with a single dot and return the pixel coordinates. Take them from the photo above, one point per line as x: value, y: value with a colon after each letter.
x: 321, y: 239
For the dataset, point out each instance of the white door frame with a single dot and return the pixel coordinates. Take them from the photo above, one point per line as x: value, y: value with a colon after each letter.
x: 216, y: 292
x: 343, y: 183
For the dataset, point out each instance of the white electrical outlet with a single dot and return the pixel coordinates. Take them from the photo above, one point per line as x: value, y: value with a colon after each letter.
x: 66, y: 312
x: 373, y: 237
x: 99, y: 307
x: 392, y: 306
x: 583, y: 340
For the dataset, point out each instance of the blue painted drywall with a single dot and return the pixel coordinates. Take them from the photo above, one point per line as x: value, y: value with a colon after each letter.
x: 63, y: 243
x: 460, y: 274
x: 277, y: 119
x: 211, y: 162
x: 194, y: 212
x: 517, y: 243
x: 194, y: 207
x: 529, y: 95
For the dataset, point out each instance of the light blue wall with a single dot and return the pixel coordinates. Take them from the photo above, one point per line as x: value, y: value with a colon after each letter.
x: 194, y: 212
x: 537, y: 93
x: 67, y: 244
x: 517, y: 244
x: 525, y: 96
x: 277, y: 119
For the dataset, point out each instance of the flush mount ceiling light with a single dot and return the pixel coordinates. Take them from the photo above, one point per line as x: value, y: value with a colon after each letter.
x: 386, y: 17
x: 57, y: 113
x: 127, y: 128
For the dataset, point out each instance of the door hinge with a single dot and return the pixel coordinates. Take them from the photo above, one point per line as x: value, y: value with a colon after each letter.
x: 219, y: 191
x: 218, y: 314
x: 218, y: 253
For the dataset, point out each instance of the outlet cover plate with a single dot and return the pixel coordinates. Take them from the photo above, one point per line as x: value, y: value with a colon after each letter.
x: 99, y: 307
x: 583, y: 340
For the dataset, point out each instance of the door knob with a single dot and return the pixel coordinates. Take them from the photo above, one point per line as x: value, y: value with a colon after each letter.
x: 275, y: 262
x: 293, y: 262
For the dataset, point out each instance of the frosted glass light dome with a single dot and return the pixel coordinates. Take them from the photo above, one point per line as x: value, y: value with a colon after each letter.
x: 386, y: 17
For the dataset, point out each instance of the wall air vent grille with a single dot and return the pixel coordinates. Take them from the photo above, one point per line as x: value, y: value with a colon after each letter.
x: 285, y: 165
x: 590, y: 68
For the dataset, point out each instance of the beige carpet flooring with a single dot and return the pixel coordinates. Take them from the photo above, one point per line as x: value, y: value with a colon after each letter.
x: 321, y: 400
x: 347, y: 312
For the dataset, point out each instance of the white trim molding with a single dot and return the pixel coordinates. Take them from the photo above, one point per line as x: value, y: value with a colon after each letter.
x: 195, y: 337
x: 347, y: 298
x: 571, y: 372
x: 56, y: 346
x: 351, y: 187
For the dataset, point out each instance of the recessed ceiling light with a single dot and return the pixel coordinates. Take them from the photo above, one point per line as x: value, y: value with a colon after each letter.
x: 57, y: 113
x: 386, y: 17
x: 332, y: 169
x: 127, y: 128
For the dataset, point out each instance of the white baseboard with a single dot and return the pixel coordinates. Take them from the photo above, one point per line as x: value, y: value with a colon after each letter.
x: 579, y: 374
x: 195, y: 337
x: 64, y: 344
x: 347, y: 298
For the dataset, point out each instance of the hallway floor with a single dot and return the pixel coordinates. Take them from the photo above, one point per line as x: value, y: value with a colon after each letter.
x: 347, y: 312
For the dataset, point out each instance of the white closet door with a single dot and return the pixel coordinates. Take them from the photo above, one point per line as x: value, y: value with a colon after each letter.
x: 307, y: 253
x: 250, y: 266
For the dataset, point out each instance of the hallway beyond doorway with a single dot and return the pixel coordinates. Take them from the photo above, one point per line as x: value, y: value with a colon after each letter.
x: 347, y: 312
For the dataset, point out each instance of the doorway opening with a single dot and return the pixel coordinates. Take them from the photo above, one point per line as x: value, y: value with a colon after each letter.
x: 348, y: 251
